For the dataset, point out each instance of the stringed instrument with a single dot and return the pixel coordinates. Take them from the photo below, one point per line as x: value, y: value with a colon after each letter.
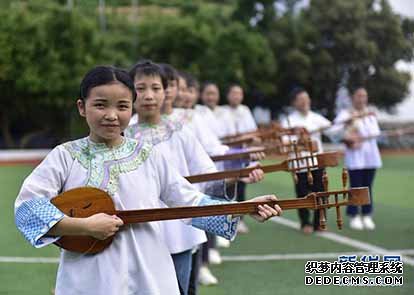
x: 322, y: 160
x: 273, y: 126
x: 355, y: 144
x: 277, y: 148
x: 87, y: 201
x: 264, y: 136
x: 347, y: 121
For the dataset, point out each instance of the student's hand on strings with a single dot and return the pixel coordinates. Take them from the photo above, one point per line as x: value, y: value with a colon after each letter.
x: 257, y: 156
x: 265, y: 212
x: 102, y: 226
x: 352, y: 140
x: 256, y: 140
x: 255, y: 176
x: 300, y: 130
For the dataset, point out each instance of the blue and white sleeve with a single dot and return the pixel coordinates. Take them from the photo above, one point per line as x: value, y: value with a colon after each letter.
x: 34, y: 218
x: 35, y: 215
x: 221, y: 225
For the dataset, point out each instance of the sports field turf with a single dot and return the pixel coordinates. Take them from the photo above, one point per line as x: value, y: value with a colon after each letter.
x: 394, y: 208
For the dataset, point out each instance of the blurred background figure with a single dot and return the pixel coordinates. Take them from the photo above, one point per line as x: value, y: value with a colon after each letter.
x: 303, y: 117
x: 362, y: 157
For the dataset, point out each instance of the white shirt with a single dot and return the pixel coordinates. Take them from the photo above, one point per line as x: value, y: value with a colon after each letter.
x: 243, y: 118
x: 184, y: 152
x: 208, y: 118
x: 311, y: 121
x: 223, y: 123
x: 367, y: 156
x: 262, y: 115
x: 205, y: 136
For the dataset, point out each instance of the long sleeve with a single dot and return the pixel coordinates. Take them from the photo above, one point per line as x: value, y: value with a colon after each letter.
x: 337, y: 131
x: 199, y: 162
x: 373, y: 128
x: 177, y: 191
x: 206, y: 137
x: 250, y: 122
x: 34, y: 213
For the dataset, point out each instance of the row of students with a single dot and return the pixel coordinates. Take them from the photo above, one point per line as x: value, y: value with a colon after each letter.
x: 187, y: 98
x: 135, y: 173
x: 189, y: 157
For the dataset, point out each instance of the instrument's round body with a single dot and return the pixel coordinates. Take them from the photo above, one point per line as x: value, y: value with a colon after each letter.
x: 81, y: 203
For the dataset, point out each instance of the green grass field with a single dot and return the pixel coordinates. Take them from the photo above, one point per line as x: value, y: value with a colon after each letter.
x: 394, y: 208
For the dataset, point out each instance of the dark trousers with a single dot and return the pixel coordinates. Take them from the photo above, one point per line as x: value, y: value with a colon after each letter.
x: 302, y: 189
x: 241, y: 191
x: 236, y: 193
x: 196, y: 264
x: 358, y: 178
x: 211, y: 243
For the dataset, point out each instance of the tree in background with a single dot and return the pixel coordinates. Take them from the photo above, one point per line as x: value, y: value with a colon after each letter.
x: 333, y: 43
x: 268, y: 46
x: 44, y: 51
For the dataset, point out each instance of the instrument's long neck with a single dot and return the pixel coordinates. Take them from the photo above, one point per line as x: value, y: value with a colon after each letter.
x: 146, y: 215
x: 236, y: 173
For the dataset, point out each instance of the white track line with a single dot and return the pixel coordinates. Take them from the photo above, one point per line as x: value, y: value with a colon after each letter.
x: 268, y: 257
x: 302, y: 256
x: 366, y: 247
x: 6, y: 259
x: 345, y: 240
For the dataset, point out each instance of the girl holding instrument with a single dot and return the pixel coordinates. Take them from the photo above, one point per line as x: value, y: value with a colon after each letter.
x: 362, y: 157
x: 302, y: 117
x: 134, y: 175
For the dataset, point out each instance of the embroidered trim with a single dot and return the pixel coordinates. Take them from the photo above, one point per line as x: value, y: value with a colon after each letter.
x: 105, y: 164
x: 154, y: 133
x: 181, y: 116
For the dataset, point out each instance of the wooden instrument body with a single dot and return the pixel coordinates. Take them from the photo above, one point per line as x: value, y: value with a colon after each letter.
x: 82, y: 203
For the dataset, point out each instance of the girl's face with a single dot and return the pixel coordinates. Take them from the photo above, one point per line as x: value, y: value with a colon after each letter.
x: 183, y: 93
x: 302, y: 102
x: 235, y: 96
x: 191, y: 98
x: 360, y: 99
x: 171, y: 91
x: 210, y: 96
x: 150, y: 96
x: 107, y: 109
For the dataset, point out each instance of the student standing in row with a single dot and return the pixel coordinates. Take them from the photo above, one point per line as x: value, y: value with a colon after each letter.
x: 243, y: 122
x: 362, y: 157
x: 303, y: 117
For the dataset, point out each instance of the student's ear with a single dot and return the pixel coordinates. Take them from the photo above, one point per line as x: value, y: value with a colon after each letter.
x: 81, y: 107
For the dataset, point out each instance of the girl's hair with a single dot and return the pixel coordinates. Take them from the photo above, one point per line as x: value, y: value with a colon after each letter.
x: 231, y: 86
x: 170, y: 72
x: 192, y: 81
x: 356, y: 88
x: 295, y: 92
x: 103, y: 75
x: 149, y: 68
x: 206, y: 84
